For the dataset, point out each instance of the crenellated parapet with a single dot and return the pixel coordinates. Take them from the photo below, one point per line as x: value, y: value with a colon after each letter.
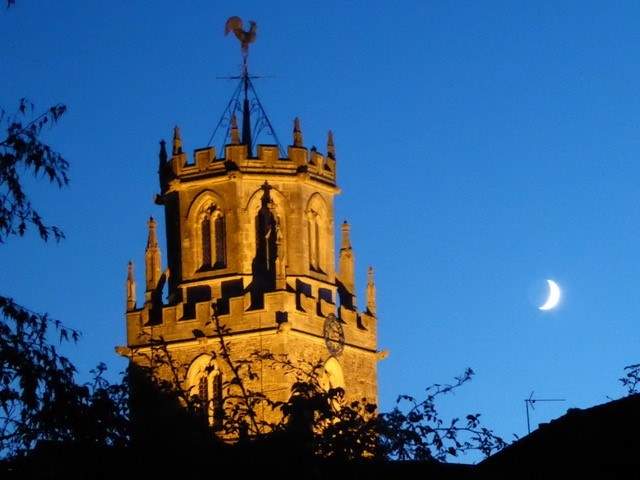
x: 303, y: 315
x: 204, y: 162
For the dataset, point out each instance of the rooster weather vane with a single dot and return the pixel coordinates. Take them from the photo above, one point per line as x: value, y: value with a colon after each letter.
x: 234, y: 24
x: 245, y: 99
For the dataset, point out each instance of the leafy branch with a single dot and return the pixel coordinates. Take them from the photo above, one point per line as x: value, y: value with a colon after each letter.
x: 631, y: 379
x: 242, y: 418
x: 21, y: 150
x: 39, y: 397
x: 414, y: 430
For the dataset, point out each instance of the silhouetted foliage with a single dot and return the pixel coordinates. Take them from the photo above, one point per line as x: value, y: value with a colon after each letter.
x: 414, y: 430
x: 320, y: 418
x: 31, y: 373
x: 22, y: 151
x: 631, y: 379
x: 39, y: 397
x: 316, y: 420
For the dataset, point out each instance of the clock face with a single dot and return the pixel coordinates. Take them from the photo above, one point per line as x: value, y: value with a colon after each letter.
x: 333, y: 335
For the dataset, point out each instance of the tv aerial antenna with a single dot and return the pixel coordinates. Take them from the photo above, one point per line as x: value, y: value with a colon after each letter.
x: 530, y: 402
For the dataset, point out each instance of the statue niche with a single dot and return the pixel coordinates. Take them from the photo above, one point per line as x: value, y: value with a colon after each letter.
x: 268, y: 248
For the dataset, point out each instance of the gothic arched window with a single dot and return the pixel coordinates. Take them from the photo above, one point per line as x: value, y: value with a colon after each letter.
x: 204, y: 384
x: 332, y: 378
x: 317, y: 234
x: 331, y: 375
x: 212, y: 239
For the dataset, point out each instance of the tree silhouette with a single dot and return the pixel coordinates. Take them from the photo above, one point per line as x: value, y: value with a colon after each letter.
x: 21, y: 150
x: 414, y: 430
x: 40, y: 399
x: 315, y: 420
x: 631, y: 379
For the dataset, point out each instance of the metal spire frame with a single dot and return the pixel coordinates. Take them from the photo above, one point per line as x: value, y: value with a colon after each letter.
x: 249, y: 104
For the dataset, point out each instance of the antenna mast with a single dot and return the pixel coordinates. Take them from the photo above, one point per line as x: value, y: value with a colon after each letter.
x: 529, y: 402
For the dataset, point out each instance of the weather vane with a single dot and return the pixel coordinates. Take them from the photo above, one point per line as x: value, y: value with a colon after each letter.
x: 244, y: 99
x: 234, y: 24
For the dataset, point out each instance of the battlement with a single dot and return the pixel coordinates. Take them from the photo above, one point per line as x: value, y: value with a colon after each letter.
x: 205, y: 163
x: 284, y: 310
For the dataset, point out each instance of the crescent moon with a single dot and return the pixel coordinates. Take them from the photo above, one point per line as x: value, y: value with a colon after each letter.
x: 554, y: 296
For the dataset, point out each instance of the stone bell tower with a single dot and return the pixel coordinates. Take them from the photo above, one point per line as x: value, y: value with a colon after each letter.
x: 252, y: 235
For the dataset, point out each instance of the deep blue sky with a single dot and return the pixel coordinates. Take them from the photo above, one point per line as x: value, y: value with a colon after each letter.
x: 482, y: 147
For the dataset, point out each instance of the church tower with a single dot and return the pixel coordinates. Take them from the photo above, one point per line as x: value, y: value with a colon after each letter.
x: 251, y: 237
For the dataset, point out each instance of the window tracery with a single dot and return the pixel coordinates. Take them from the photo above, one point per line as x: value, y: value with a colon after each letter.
x: 204, y: 385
